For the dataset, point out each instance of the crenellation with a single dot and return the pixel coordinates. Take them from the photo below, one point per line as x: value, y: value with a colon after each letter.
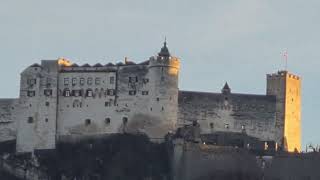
x: 59, y: 101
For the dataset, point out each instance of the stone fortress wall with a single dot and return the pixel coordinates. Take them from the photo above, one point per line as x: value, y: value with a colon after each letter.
x: 60, y: 100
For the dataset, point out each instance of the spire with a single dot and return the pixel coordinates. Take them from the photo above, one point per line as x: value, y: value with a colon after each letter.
x: 226, y: 89
x: 164, y: 50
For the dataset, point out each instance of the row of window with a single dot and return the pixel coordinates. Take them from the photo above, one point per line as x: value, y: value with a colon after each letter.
x: 87, y: 122
x: 135, y: 79
x: 88, y: 93
x: 226, y: 126
x: 88, y: 81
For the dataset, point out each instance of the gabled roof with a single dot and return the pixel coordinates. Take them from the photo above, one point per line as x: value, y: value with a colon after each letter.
x: 109, y: 64
x: 86, y: 65
x: 74, y: 65
x: 98, y: 65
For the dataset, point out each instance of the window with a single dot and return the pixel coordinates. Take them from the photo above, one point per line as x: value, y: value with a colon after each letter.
x: 46, y: 119
x: 97, y: 81
x: 211, y: 125
x: 89, y: 81
x: 66, y: 93
x: 30, y: 120
x: 66, y: 81
x: 110, y: 92
x: 89, y: 93
x: 31, y: 93
x: 87, y: 122
x: 81, y: 81
x: 106, y: 104
x: 74, y: 81
x: 125, y: 120
x: 47, y: 92
x: 47, y: 103
x: 145, y: 80
x: 133, y: 79
x: 112, y: 80
x: 107, y: 121
x: 145, y: 92
x: 226, y: 126
x: 77, y: 93
x: 31, y: 81
x: 158, y: 99
x: 132, y: 92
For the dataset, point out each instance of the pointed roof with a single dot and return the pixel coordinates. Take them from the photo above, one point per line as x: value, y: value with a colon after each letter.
x: 86, y: 65
x: 98, y: 65
x: 226, y: 88
x: 164, y: 50
x: 74, y: 65
x: 109, y: 64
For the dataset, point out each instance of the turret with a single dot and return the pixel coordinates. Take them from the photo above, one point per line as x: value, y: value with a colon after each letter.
x: 163, y: 74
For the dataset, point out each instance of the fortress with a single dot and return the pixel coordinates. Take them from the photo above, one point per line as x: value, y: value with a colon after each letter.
x: 59, y: 100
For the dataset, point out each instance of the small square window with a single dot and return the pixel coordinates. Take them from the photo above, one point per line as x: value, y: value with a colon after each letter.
x: 211, y: 125
x: 110, y: 92
x: 47, y: 92
x: 31, y: 81
x: 31, y: 93
x: 46, y: 119
x: 30, y: 120
x: 106, y: 104
x: 145, y: 80
x: 132, y: 92
x: 47, y: 103
x: 145, y: 92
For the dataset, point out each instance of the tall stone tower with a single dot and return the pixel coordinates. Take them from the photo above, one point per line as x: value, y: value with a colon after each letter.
x: 38, y: 107
x: 287, y: 89
x: 163, y: 72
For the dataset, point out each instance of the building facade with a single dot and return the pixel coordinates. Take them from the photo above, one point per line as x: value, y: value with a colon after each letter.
x: 59, y: 100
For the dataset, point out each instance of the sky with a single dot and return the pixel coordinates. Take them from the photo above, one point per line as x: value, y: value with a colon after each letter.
x: 238, y: 41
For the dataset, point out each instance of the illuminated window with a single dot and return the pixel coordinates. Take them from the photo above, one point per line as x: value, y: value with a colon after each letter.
x: 66, y: 93
x: 226, y: 126
x: 89, y: 93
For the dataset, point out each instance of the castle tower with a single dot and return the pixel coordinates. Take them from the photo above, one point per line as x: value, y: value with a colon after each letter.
x: 163, y: 72
x: 287, y: 89
x: 38, y: 107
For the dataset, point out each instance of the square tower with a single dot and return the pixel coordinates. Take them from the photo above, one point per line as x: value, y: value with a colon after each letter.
x: 287, y: 89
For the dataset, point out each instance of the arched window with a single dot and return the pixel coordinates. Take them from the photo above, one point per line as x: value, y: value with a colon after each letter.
x: 125, y: 120
x: 107, y: 121
x: 66, y: 92
x: 89, y: 93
